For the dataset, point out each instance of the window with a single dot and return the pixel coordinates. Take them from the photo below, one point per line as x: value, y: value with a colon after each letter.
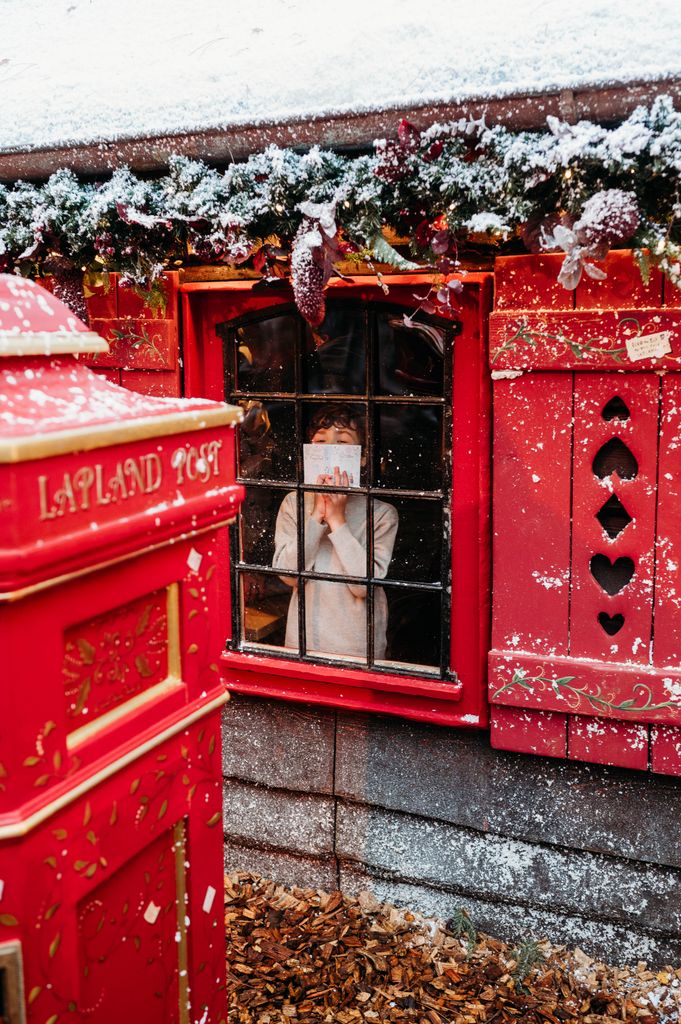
x: 375, y: 594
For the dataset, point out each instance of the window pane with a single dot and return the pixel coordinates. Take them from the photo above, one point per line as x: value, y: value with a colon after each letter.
x: 414, y: 626
x: 335, y: 353
x: 349, y: 419
x: 335, y: 620
x: 410, y: 359
x: 265, y: 604
x: 332, y: 546
x: 265, y: 354
x: 267, y: 441
x: 417, y: 554
x: 257, y: 522
x: 408, y: 447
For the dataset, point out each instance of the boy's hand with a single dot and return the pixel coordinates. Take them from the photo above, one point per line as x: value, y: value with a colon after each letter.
x: 319, y: 508
x: 336, y: 503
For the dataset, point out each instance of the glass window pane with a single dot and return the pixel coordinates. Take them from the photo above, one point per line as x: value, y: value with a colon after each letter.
x: 335, y: 620
x: 267, y: 441
x: 265, y: 602
x: 335, y: 353
x: 417, y: 554
x: 410, y: 359
x: 265, y: 354
x: 335, y: 533
x: 414, y: 626
x: 258, y: 524
x: 342, y: 423
x: 408, y: 447
x: 335, y: 529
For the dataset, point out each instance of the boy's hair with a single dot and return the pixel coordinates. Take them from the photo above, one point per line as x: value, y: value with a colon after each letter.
x: 336, y: 414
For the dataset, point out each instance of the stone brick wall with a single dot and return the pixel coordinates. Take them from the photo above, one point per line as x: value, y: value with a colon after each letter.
x: 435, y: 818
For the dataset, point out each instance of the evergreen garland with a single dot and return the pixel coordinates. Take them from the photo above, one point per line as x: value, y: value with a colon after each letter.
x: 576, y: 188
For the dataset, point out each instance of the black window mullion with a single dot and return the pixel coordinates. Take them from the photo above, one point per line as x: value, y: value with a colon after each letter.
x: 235, y: 583
x: 235, y: 541
x: 332, y: 396
x: 369, y: 325
x: 300, y: 493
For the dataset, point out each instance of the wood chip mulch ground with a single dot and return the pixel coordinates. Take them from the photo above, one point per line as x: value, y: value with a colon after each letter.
x: 302, y: 955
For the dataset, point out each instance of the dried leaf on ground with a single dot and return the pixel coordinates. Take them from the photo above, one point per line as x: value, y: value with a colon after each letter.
x: 307, y: 956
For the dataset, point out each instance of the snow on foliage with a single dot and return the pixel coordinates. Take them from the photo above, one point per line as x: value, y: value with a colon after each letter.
x: 579, y: 187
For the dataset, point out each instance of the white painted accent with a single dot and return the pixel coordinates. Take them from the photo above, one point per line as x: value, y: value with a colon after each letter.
x: 151, y: 913
x: 194, y: 559
x: 506, y: 374
x: 208, y: 899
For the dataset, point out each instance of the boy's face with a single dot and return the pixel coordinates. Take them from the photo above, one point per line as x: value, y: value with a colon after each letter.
x: 336, y: 434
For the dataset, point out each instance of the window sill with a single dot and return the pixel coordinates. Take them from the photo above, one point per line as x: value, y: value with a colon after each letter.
x: 419, y: 698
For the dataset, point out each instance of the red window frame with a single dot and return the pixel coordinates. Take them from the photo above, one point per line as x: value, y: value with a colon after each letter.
x: 205, y: 305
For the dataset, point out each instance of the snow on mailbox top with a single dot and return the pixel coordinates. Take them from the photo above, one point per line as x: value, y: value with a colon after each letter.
x: 51, y: 403
x: 33, y: 322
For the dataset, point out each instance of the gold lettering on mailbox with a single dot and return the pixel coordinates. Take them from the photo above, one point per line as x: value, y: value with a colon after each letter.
x: 153, y: 472
x: 93, y: 485
x: 63, y: 497
x: 83, y: 480
x: 200, y: 463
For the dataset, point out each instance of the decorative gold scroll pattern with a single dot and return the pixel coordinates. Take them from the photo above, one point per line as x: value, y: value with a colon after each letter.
x: 113, y: 657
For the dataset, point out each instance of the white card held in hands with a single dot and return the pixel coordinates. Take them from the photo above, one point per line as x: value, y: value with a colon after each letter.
x: 322, y: 460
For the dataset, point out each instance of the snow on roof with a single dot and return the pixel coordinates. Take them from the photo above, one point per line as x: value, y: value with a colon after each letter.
x: 78, y: 71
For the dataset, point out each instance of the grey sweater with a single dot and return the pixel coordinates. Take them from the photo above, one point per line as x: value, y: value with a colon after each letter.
x: 335, y: 613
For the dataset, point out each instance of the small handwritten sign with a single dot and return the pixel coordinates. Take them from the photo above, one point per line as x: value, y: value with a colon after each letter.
x: 323, y: 459
x: 649, y: 346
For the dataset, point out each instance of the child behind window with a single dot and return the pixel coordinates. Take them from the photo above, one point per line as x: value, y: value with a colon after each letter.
x: 335, y: 527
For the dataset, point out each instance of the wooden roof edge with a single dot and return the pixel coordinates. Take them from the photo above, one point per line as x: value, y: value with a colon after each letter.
x: 351, y: 130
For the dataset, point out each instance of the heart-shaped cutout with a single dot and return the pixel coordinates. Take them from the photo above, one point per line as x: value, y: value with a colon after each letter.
x: 612, y: 576
x: 615, y: 457
x: 615, y: 409
x: 611, y: 623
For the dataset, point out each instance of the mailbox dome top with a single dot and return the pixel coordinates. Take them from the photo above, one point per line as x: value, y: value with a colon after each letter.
x: 34, y: 323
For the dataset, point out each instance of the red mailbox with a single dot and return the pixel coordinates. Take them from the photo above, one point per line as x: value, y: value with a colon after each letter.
x: 586, y: 660
x: 110, y: 794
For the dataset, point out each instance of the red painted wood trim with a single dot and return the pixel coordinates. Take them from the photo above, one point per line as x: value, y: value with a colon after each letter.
x: 580, y: 340
x: 667, y: 636
x: 419, y: 700
x: 623, y: 288
x: 595, y: 688
x: 284, y: 292
x: 665, y: 749
x: 243, y: 661
x: 604, y: 741
x: 529, y: 732
x: 531, y: 543
x: 530, y: 282
x: 471, y: 513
